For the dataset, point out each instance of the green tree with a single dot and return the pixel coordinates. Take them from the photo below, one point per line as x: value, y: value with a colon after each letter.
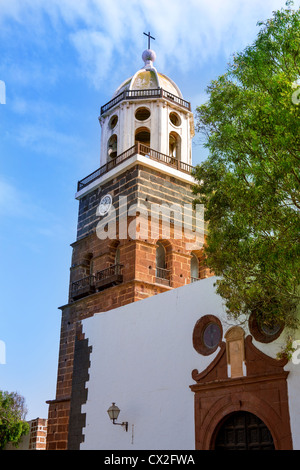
x: 249, y: 183
x: 12, y: 416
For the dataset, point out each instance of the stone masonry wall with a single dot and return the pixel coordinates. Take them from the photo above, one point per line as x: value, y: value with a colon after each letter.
x: 138, y: 184
x: 138, y: 258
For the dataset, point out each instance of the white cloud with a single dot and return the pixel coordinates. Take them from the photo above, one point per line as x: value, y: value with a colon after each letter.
x: 188, y: 34
x: 107, y: 33
x: 95, y: 53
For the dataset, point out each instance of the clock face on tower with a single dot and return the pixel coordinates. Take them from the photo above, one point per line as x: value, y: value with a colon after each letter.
x: 105, y: 204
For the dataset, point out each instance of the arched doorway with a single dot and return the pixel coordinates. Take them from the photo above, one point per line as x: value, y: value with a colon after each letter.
x: 262, y: 391
x: 243, y: 431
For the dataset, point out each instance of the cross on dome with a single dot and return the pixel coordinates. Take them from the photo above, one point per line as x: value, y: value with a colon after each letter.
x: 149, y: 37
x: 149, y: 55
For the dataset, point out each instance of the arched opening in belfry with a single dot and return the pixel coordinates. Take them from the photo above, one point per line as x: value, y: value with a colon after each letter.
x: 160, y: 256
x: 142, y: 135
x: 194, y: 268
x: 174, y: 145
x: 112, y: 146
x: 162, y: 261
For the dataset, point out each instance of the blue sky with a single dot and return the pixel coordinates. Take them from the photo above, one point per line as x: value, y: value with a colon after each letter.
x: 60, y: 61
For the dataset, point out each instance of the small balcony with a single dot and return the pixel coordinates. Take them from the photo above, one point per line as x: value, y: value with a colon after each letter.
x: 137, y: 149
x: 83, y: 287
x: 109, y: 277
x: 88, y: 285
x: 163, y: 276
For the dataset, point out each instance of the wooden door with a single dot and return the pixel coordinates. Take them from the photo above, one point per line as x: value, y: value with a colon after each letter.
x: 243, y: 431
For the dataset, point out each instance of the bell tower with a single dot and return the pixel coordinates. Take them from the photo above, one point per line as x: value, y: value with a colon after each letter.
x: 147, y: 108
x: 137, y: 231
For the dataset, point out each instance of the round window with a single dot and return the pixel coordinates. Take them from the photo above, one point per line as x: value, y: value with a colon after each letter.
x: 207, y: 335
x: 142, y: 114
x: 211, y: 335
x: 113, y: 121
x: 175, y: 119
x: 270, y: 330
x: 264, y: 332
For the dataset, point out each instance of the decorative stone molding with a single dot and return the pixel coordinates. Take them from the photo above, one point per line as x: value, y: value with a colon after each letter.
x: 235, y: 351
x: 263, y: 392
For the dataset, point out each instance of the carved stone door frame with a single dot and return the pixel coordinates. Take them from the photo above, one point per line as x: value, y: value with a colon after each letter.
x: 262, y: 392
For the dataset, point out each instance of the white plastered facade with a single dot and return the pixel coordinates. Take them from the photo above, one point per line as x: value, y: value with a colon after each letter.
x: 142, y: 359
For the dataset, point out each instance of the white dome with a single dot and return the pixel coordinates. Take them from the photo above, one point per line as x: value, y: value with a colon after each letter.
x: 148, y: 78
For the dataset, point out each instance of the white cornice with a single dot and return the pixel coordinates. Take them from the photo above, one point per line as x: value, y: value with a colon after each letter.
x: 116, y: 171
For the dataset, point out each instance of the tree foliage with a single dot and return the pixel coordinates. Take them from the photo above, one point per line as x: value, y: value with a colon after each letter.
x: 249, y: 183
x: 12, y: 416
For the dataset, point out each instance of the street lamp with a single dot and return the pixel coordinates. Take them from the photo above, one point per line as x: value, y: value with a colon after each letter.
x: 113, y: 412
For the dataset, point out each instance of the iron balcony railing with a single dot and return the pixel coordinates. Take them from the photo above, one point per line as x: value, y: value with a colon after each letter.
x: 102, y: 279
x: 109, y: 276
x: 83, y: 287
x: 142, y: 94
x: 162, y: 276
x: 140, y: 149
